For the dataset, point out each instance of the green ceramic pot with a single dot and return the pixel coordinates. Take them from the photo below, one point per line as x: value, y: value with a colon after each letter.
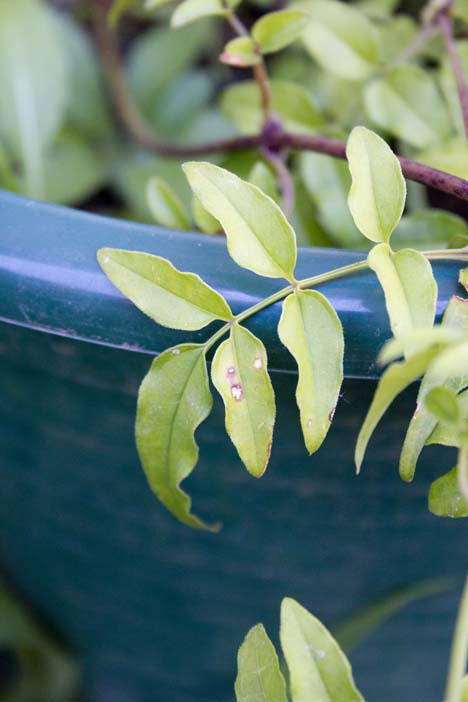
x: 154, y: 610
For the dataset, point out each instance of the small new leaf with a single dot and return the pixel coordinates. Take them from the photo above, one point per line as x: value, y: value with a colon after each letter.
x: 173, y: 299
x: 239, y: 373
x: 259, y: 678
x: 258, y: 234
x: 174, y: 399
x: 445, y: 498
x: 275, y: 30
x: 240, y: 52
x: 311, y: 330
x: 318, y: 669
x: 378, y: 190
x: 192, y: 10
x: 165, y: 206
x: 409, y: 286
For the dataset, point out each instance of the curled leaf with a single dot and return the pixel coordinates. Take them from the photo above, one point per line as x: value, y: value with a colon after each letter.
x: 173, y: 299
x: 239, y: 373
x: 259, y: 236
x: 311, y: 330
x: 174, y: 399
x: 378, y: 190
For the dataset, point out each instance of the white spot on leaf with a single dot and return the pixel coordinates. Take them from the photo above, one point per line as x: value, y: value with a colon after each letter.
x: 237, y: 392
x: 258, y: 363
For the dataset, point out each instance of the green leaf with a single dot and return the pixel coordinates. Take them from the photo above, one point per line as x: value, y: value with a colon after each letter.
x: 87, y: 109
x: 408, y: 105
x: 450, y: 435
x: 464, y: 690
x: 319, y: 670
x: 341, y: 39
x: 240, y: 52
x: 173, y: 401
x: 153, y: 4
x: 451, y: 156
x: 239, y: 373
x: 394, y: 380
x: 378, y: 190
x: 443, y: 404
x: 165, y: 206
x: 445, y: 499
x: 424, y: 339
x: 294, y: 105
x: 428, y: 228
x: 328, y: 180
x: 311, y: 331
x: 361, y: 625
x: 259, y: 678
x: 275, y: 30
x: 204, y: 221
x: 74, y: 170
x: 33, y: 80
x: 173, y: 299
x: 192, y: 10
x: 423, y: 421
x: 46, y: 670
x: 463, y: 278
x: 259, y: 236
x: 262, y: 176
x: 409, y: 287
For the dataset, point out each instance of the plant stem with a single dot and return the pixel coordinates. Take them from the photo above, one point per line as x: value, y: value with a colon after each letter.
x: 448, y: 254
x: 137, y: 127
x: 281, y: 294
x: 444, y: 22
x: 285, y: 181
x: 458, y: 656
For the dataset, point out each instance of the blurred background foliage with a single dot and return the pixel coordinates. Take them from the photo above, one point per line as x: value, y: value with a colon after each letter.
x: 60, y: 138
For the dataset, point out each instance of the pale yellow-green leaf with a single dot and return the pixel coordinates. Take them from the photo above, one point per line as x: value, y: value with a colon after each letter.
x: 378, y: 190
x: 172, y: 298
x: 258, y: 234
x: 443, y: 404
x: 259, y: 678
x: 311, y: 330
x: 165, y: 205
x: 239, y: 373
x: 204, y: 221
x: 262, y: 176
x: 407, y: 103
x: 341, y: 39
x: 422, y: 338
x: 174, y: 399
x: 451, y: 156
x: 445, y: 500
x: 394, y: 380
x: 275, y: 30
x: 422, y: 424
x: 240, y: 52
x: 318, y: 669
x: 242, y: 104
x: 409, y: 287
x: 192, y: 10
x: 463, y: 278
x: 450, y: 435
x: 464, y: 691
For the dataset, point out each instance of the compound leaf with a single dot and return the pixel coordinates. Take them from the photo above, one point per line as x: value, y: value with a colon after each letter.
x: 173, y: 299
x: 239, y: 373
x: 311, y: 330
x: 378, y: 190
x: 259, y: 236
x: 174, y: 399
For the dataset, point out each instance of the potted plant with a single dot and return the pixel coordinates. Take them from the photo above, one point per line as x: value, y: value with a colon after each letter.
x: 120, y: 575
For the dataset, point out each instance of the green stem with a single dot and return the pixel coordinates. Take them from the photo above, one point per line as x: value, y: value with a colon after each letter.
x: 462, y: 471
x: 459, y: 654
x: 280, y: 294
x: 448, y: 254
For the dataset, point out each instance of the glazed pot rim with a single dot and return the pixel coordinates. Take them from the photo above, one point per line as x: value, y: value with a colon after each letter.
x: 50, y: 281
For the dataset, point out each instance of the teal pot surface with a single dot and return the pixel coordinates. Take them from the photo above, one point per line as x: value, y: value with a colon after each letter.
x: 154, y: 610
